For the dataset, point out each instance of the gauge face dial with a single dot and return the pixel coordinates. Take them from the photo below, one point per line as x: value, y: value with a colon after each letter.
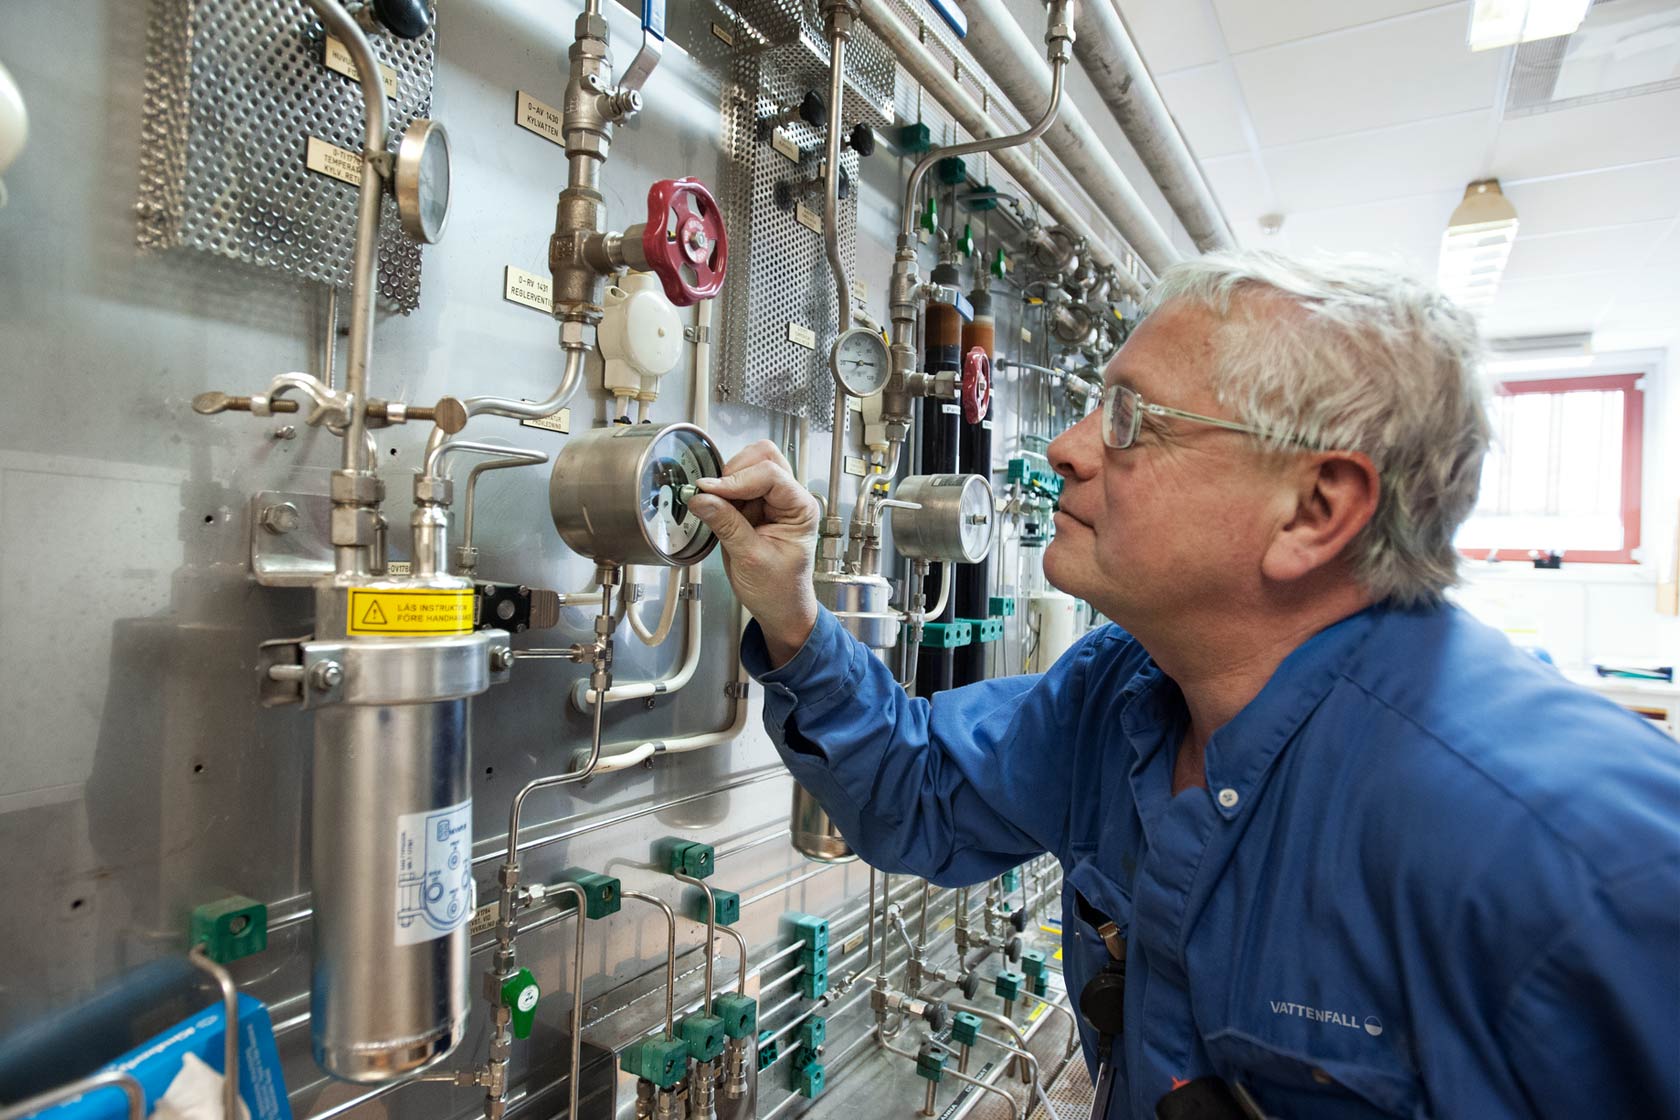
x: 677, y: 461
x: 976, y: 510
x: 860, y: 362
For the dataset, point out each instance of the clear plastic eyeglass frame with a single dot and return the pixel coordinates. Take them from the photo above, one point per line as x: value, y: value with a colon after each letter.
x: 1123, y: 410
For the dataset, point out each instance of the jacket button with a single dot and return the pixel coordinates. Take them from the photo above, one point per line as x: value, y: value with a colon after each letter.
x: 1228, y: 797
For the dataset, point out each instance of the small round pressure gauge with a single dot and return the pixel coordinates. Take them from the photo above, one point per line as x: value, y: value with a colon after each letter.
x: 422, y: 181
x: 860, y: 362
x: 955, y: 521
x: 620, y: 495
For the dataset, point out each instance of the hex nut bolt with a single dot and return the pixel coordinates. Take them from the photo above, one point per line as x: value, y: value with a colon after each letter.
x: 501, y: 659
x: 280, y: 518
x: 326, y: 676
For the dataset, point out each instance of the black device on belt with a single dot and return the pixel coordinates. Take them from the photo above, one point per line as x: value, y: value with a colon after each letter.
x: 1102, y: 1002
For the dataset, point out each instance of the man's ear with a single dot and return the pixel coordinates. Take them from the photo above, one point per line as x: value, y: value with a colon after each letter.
x: 1335, y: 497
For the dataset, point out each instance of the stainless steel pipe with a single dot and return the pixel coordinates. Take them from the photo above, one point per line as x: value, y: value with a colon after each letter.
x: 932, y: 75
x: 1003, y: 49
x: 1126, y: 87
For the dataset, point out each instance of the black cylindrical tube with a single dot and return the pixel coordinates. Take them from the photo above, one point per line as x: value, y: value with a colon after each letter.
x: 941, y: 424
x: 974, y: 581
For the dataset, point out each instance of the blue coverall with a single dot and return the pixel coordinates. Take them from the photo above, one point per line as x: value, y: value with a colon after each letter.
x: 1428, y: 876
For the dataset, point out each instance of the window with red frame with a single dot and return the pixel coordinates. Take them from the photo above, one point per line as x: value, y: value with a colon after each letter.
x: 1563, y: 473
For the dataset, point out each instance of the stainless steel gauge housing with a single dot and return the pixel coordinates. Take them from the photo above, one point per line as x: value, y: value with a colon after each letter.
x: 618, y: 494
x: 860, y: 362
x: 422, y: 181
x: 955, y: 522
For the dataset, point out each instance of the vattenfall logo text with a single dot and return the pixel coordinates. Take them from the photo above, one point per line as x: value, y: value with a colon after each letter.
x: 1371, y: 1025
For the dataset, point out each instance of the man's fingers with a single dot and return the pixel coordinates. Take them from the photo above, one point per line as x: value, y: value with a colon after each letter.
x: 762, y: 451
x: 756, y: 480
x: 731, y: 528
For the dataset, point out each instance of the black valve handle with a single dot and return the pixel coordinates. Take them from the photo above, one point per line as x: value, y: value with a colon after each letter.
x: 406, y: 19
x: 861, y: 139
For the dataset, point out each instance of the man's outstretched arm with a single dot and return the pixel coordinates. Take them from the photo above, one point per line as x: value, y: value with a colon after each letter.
x: 956, y: 790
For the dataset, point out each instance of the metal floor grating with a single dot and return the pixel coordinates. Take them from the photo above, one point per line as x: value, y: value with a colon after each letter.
x: 1072, y: 1092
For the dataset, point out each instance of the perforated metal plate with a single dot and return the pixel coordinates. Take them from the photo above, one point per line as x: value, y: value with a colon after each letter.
x: 781, y: 277
x: 234, y: 89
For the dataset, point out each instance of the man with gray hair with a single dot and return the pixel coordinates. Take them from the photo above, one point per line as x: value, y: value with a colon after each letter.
x: 1332, y: 848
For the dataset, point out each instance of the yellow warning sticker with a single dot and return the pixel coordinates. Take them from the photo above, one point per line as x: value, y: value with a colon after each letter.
x: 411, y: 611
x: 1037, y: 1011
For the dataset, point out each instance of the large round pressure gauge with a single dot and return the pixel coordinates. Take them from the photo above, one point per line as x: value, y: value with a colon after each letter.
x: 422, y: 181
x: 955, y: 521
x: 620, y: 495
x: 860, y: 362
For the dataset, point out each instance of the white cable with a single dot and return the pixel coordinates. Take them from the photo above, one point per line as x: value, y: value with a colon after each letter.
x: 667, y: 613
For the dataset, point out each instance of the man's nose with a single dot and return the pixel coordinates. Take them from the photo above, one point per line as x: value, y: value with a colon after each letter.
x: 1076, y: 454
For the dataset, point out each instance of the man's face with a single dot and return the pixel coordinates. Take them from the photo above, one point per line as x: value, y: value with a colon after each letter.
x: 1179, y: 520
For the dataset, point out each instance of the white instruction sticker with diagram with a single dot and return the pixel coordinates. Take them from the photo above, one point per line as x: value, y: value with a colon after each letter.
x: 434, y: 872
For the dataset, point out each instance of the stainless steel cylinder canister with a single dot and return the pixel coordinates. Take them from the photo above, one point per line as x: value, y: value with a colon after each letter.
x: 391, y: 833
x: 620, y: 494
x: 955, y: 521
x: 393, y: 886
x: 860, y: 603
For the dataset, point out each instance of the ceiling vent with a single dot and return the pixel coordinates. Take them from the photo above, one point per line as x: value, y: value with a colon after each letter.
x: 1623, y: 48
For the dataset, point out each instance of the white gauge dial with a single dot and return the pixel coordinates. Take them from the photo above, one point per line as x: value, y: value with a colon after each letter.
x: 860, y: 362
x: 674, y: 465
x: 976, y: 513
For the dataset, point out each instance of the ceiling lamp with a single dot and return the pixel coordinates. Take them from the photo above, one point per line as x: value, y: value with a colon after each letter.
x: 1500, y: 23
x: 1476, y: 245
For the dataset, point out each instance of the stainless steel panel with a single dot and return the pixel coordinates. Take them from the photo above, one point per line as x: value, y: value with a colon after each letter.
x: 139, y: 776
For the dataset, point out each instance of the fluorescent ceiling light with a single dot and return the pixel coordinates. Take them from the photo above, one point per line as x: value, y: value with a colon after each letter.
x: 1504, y: 367
x: 1502, y: 23
x: 1477, y: 242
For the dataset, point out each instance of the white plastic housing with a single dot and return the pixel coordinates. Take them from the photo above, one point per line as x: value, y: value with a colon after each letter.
x: 640, y: 336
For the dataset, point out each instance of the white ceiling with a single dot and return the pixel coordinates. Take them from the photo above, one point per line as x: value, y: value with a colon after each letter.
x: 1361, y: 121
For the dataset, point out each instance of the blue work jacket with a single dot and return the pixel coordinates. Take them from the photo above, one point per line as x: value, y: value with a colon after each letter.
x: 1427, y: 877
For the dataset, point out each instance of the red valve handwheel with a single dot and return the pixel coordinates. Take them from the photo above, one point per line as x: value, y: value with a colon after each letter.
x: 976, y: 384
x: 684, y: 238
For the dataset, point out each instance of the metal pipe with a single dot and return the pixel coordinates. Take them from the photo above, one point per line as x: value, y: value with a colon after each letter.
x: 1000, y: 46
x: 670, y: 957
x: 1007, y: 1024
x: 907, y: 220
x: 230, y: 1036
x: 514, y: 458
x: 364, y: 265
x: 570, y: 378
x: 741, y: 971
x: 929, y: 72
x: 839, y: 31
x: 1016, y: 1109
x: 571, y: 776
x: 131, y: 1090
x: 711, y: 931
x: 1073, y: 1023
x: 1115, y: 68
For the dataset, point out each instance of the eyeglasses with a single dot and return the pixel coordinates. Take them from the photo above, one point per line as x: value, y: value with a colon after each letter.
x: 1122, y: 417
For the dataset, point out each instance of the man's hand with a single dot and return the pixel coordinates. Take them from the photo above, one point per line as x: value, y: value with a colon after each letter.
x: 767, y: 524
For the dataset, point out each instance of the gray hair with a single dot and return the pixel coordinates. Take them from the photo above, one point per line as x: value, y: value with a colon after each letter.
x: 1374, y: 361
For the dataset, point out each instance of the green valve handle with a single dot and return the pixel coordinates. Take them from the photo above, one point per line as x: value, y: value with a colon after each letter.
x: 930, y: 216
x: 1000, y: 265
x: 520, y: 994
x: 967, y: 242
